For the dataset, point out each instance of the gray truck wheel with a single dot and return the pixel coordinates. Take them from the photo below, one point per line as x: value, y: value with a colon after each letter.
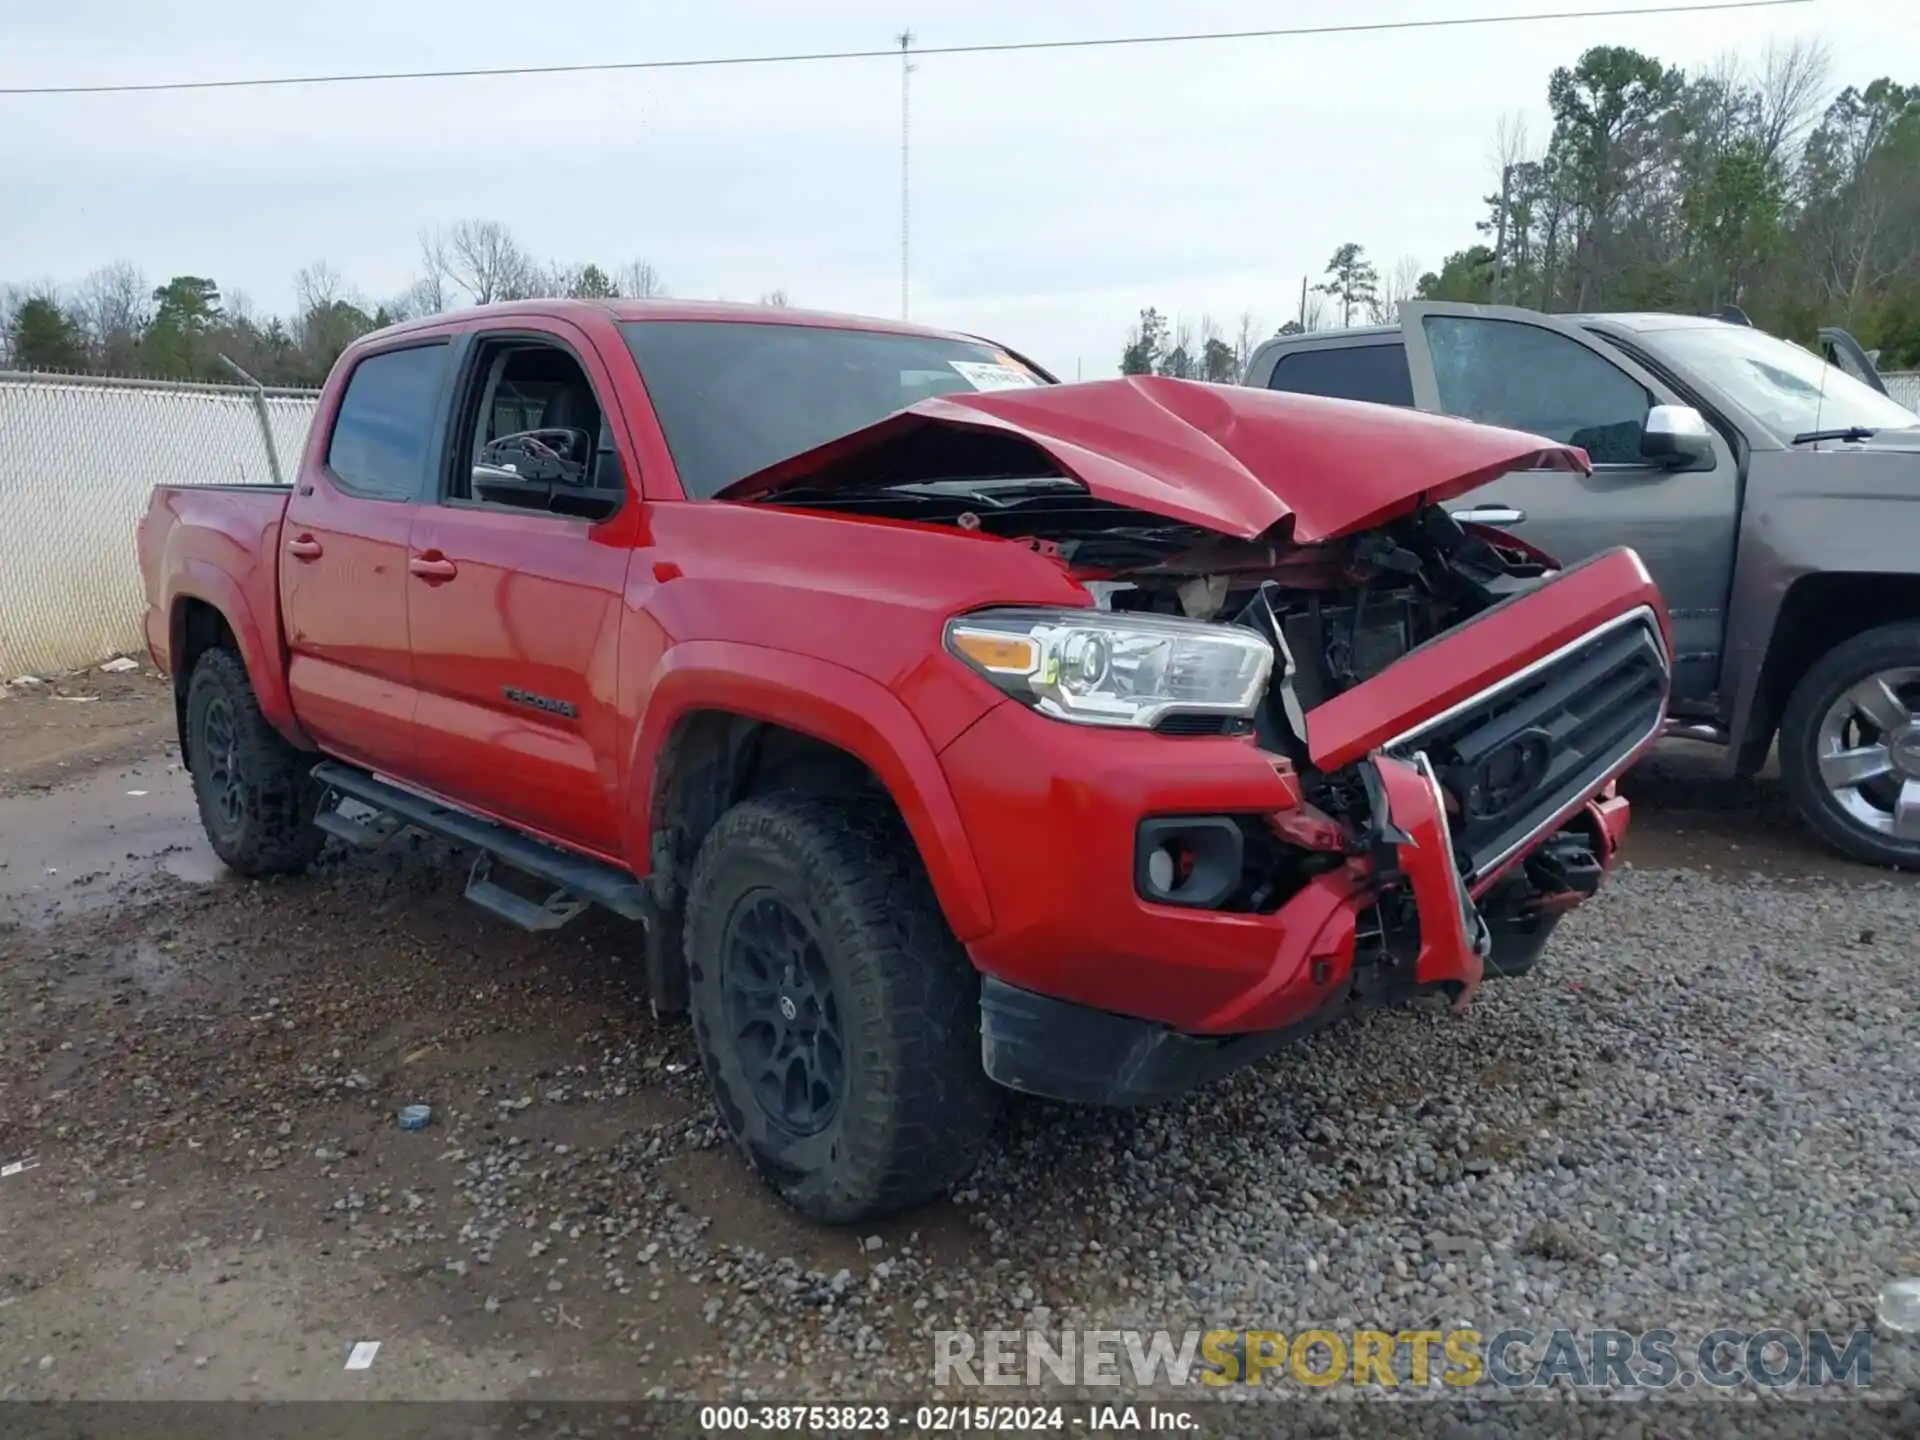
x: 255, y: 791
x: 836, y: 1016
x: 1850, y: 746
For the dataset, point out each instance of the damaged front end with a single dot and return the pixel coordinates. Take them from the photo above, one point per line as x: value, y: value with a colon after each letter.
x: 1449, y: 733
x: 1454, y: 713
x: 1412, y: 787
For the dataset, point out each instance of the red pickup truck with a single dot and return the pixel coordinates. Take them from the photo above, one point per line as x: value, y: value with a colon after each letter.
x: 941, y: 724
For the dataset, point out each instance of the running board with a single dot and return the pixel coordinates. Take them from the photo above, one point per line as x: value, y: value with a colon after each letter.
x: 577, y: 881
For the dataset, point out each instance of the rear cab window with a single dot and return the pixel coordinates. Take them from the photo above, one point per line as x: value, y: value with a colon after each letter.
x: 386, y: 423
x: 1374, y: 373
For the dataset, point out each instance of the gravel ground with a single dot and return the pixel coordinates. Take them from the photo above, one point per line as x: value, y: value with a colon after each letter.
x: 1701, y: 1111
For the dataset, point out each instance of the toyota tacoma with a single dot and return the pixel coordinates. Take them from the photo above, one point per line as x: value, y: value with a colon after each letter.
x: 941, y: 726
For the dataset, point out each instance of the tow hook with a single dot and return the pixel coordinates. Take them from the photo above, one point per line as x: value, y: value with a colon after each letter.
x: 1566, y: 864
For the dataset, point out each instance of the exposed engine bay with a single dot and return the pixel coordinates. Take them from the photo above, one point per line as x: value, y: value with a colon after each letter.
x: 1337, y: 615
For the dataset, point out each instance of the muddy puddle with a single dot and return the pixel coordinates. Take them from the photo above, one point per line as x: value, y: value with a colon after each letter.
x: 82, y: 847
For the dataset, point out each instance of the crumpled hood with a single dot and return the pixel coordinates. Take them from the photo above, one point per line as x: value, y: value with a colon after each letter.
x: 1231, y: 459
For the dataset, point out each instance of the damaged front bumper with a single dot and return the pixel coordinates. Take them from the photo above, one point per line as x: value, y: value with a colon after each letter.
x: 1100, y: 988
x: 1401, y: 925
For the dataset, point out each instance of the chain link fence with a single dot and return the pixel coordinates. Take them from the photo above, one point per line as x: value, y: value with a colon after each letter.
x: 1904, y: 386
x: 79, y: 456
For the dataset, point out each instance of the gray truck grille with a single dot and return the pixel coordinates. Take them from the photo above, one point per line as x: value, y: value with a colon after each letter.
x: 1511, y: 758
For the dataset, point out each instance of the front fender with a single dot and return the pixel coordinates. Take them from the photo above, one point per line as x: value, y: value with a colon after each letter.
x: 1807, y: 514
x: 260, y: 652
x: 832, y: 704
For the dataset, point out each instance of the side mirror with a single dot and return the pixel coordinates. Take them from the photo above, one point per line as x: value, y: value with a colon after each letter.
x: 1677, y: 437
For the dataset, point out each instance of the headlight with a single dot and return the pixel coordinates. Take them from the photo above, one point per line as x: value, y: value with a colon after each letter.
x: 1100, y: 668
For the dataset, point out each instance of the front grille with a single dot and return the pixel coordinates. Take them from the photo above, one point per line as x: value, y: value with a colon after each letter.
x: 1510, y: 759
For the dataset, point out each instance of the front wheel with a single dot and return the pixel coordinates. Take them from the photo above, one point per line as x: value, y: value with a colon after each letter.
x: 837, y: 1017
x: 1850, y: 746
x: 256, y: 793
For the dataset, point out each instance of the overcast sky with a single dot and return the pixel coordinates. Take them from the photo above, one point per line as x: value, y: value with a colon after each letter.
x: 1054, y: 194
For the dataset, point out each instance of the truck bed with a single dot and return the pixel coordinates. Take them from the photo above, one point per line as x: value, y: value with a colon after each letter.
x: 215, y: 543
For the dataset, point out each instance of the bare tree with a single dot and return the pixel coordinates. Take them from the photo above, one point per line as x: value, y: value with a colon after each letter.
x: 436, y: 274
x: 426, y: 296
x: 1400, y: 284
x: 482, y: 258
x: 1246, y: 339
x: 115, y: 303
x: 1215, y: 361
x: 1511, y: 144
x: 638, y: 280
x: 1791, y: 87
x: 317, y: 287
x: 1180, y: 361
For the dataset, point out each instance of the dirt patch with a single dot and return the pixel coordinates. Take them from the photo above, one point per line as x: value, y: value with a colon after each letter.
x: 201, y: 1077
x: 62, y: 726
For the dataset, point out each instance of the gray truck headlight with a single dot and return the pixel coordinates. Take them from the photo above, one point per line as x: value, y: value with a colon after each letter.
x: 1095, y: 667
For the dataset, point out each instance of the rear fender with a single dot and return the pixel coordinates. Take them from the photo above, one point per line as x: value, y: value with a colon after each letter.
x: 834, y: 705
x: 260, y: 649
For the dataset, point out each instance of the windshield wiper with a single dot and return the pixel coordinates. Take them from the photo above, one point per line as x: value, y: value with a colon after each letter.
x: 998, y: 491
x: 1851, y: 432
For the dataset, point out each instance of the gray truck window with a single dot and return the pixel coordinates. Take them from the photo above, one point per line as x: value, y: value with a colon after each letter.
x: 1528, y: 378
x: 1377, y: 373
x: 386, y: 422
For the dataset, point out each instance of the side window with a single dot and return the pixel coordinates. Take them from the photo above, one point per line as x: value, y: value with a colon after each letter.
x: 386, y: 423
x: 533, y: 435
x: 1526, y: 378
x: 1347, y: 372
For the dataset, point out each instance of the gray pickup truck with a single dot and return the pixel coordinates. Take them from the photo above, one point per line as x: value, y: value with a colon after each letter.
x: 1775, y: 497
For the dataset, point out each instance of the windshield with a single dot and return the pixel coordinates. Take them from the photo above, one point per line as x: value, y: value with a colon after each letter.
x: 1782, y: 385
x: 736, y: 396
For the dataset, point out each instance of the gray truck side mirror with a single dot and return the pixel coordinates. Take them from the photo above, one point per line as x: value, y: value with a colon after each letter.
x: 1677, y: 437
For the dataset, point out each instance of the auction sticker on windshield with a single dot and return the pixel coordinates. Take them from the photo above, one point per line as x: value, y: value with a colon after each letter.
x: 991, y: 375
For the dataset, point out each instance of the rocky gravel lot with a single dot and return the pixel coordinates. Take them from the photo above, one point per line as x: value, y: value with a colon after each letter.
x: 1702, y: 1111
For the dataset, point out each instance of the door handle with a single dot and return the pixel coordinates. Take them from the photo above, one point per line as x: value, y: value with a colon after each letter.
x: 304, y: 547
x: 432, y: 566
x: 1490, y: 515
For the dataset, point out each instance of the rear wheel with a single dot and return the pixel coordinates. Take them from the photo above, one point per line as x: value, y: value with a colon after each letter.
x: 1850, y: 746
x: 255, y: 791
x: 837, y: 1017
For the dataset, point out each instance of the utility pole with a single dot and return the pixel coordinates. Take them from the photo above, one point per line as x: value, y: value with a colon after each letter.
x: 1500, y: 230
x: 905, y: 38
x: 1303, y: 303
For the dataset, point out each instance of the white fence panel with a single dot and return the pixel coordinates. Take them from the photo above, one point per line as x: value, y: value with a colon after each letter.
x: 78, y: 458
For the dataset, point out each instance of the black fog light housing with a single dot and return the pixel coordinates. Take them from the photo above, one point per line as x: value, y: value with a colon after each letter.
x: 1190, y: 860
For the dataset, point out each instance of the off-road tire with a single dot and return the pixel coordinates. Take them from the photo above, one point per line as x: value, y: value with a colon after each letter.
x: 263, y: 823
x: 1888, y: 647
x: 915, y: 1106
